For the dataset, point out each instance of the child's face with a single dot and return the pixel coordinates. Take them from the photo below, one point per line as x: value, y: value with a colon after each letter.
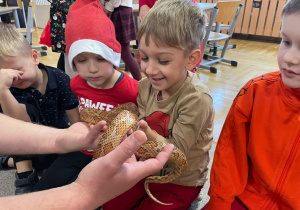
x: 94, y: 69
x: 166, y: 67
x: 27, y: 65
x: 289, y: 51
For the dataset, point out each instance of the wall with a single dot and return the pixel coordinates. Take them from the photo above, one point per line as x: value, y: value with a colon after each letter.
x: 258, y: 17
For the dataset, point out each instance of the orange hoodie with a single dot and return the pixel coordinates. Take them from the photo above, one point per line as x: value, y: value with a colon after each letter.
x: 257, y: 158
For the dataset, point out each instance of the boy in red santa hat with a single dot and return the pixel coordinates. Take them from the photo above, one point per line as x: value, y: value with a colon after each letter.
x: 93, y: 52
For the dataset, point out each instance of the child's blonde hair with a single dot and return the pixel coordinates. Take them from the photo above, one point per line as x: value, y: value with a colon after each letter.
x: 12, y: 42
x: 174, y: 23
x: 291, y: 7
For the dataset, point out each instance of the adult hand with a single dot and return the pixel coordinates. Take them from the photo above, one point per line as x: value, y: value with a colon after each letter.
x: 115, y: 173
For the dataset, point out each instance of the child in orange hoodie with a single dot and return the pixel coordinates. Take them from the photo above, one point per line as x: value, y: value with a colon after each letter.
x: 256, y: 160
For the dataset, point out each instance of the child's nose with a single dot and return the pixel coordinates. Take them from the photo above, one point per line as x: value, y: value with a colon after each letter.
x: 93, y: 67
x: 292, y: 56
x: 151, y: 68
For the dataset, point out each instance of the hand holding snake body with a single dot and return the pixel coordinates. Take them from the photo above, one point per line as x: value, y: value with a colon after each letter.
x: 119, y: 121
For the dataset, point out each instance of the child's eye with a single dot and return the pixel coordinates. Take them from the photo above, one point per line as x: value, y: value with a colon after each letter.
x: 100, y: 59
x: 163, y: 62
x: 145, y: 59
x: 287, y: 43
x: 81, y: 60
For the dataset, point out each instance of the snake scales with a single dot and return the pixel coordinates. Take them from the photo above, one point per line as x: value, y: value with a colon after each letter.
x: 119, y: 121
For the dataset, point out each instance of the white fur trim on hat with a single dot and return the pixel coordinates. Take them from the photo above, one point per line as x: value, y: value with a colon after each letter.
x: 96, y: 47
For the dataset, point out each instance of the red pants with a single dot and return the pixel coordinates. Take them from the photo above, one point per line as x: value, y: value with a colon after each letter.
x: 137, y: 199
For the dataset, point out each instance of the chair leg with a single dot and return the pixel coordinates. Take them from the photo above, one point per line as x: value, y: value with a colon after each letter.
x: 215, y: 59
x: 225, y: 48
x: 215, y: 51
x: 210, y: 68
x: 220, y: 47
x: 42, y: 53
x: 39, y: 47
x: 41, y: 50
x: 210, y: 57
x: 231, y: 62
x: 215, y: 48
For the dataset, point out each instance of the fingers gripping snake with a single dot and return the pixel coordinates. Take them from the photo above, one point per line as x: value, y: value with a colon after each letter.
x: 119, y: 121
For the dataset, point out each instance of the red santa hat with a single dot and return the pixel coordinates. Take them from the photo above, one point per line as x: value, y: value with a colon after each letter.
x: 88, y: 29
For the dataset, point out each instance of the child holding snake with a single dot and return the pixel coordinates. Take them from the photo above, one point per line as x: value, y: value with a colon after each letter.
x: 93, y: 51
x: 174, y: 106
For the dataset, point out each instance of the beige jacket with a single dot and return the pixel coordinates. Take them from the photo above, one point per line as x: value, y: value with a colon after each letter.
x: 185, y: 120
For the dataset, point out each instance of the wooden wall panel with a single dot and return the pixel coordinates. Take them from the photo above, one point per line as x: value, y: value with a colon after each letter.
x: 254, y: 18
x: 247, y: 16
x: 262, y: 17
x: 270, y: 18
x: 238, y: 27
x: 263, y: 21
x: 277, y: 22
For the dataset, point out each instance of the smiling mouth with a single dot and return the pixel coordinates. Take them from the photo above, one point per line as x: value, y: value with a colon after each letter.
x: 157, y: 79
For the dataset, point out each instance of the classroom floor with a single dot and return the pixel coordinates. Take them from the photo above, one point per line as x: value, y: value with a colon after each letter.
x: 254, y: 59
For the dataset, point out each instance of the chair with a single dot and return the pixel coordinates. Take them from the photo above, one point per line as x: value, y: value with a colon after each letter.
x: 27, y: 32
x: 225, y: 11
x: 21, y: 6
x: 217, y: 27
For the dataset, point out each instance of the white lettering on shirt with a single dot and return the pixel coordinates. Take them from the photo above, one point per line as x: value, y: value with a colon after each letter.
x: 97, y: 105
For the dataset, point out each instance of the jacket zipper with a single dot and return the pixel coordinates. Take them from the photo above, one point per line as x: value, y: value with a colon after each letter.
x: 284, y: 172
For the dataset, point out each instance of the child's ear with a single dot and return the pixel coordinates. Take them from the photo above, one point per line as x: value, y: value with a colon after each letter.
x: 35, y: 56
x: 194, y: 58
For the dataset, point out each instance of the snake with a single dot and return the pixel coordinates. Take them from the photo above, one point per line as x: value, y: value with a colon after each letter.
x: 119, y: 121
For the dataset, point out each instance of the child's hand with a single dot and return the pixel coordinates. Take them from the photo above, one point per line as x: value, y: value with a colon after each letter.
x: 90, y: 136
x: 8, y: 77
x: 127, y: 134
x: 143, y: 126
x: 108, y: 13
